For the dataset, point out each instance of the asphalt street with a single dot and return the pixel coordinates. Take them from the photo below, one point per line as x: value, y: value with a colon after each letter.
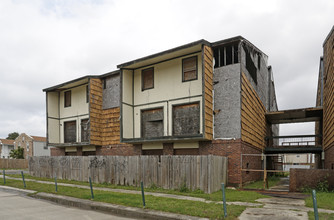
x: 15, y: 205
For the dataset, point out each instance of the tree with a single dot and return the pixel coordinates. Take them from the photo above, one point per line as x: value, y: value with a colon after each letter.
x: 13, y: 135
x: 17, y: 153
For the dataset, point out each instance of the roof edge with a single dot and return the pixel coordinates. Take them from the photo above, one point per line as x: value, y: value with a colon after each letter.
x: 328, y: 36
x: 202, y: 41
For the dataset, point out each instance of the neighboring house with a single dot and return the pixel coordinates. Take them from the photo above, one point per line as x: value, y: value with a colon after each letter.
x: 6, y: 147
x: 200, y: 98
x: 32, y: 145
x: 304, y: 161
x: 325, y: 99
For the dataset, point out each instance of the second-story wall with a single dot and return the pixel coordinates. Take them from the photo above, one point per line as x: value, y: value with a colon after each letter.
x: 59, y: 116
x: 168, y: 99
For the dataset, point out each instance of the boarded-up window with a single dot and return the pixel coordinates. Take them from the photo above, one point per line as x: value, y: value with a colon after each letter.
x: 67, y: 99
x: 70, y: 133
x: 147, y: 78
x: 85, y: 130
x: 189, y: 69
x: 186, y: 119
x: 152, y: 123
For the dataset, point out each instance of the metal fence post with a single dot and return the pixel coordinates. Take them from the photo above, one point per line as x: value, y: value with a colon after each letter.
x: 224, y: 200
x: 4, y: 177
x: 91, y: 187
x: 142, y: 192
x: 315, y: 206
x: 24, y: 182
x: 56, y: 183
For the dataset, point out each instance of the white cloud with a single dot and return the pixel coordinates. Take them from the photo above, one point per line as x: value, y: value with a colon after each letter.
x: 44, y: 43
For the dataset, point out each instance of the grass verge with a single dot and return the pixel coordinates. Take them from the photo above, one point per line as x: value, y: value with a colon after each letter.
x: 201, y: 209
x: 322, y: 216
x: 324, y: 200
x: 231, y: 195
x: 272, y: 181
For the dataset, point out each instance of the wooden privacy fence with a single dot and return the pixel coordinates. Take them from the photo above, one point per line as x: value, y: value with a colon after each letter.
x: 13, y: 163
x: 169, y: 172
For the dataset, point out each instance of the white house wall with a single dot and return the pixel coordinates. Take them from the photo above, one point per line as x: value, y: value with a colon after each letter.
x: 39, y: 149
x: 168, y: 90
x: 79, y: 106
x: 168, y: 83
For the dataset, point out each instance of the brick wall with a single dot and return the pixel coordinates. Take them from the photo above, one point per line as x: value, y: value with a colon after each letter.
x: 300, y: 178
x: 233, y: 150
x: 119, y: 150
x: 329, y: 158
x: 55, y: 151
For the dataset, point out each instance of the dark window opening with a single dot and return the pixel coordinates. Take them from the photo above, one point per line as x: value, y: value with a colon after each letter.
x: 258, y: 61
x: 152, y: 123
x: 67, y: 99
x: 189, y: 69
x: 186, y: 119
x: 229, y: 55
x: 250, y: 66
x: 70, y: 133
x: 226, y: 55
x: 104, y: 83
x: 147, y: 78
x: 332, y: 166
x: 84, y: 130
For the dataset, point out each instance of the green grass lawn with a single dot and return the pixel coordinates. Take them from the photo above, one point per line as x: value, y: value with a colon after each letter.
x: 324, y: 200
x: 272, y: 181
x: 201, y: 209
x: 231, y: 195
x: 322, y: 216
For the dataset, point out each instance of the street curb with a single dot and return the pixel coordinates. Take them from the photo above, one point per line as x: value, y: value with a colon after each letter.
x: 25, y: 191
x: 111, y: 208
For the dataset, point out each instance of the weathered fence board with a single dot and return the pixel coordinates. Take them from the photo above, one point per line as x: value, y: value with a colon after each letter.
x: 170, y: 172
x: 13, y: 163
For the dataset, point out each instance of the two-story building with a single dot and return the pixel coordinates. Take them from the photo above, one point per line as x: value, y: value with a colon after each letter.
x: 199, y: 98
x: 32, y: 145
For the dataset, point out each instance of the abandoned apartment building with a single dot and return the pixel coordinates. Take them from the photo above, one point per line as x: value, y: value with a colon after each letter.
x: 197, y: 99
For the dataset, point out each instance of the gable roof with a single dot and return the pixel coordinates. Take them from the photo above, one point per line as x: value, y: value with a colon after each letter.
x: 7, y: 141
x: 39, y: 139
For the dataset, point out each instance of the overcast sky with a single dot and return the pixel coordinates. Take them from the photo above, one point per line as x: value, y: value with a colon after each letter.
x: 44, y: 43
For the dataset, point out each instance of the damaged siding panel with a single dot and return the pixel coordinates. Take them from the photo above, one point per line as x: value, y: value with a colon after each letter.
x: 111, y: 92
x: 110, y: 126
x: 227, y: 101
x: 208, y: 95
x: 253, y: 121
x: 328, y: 101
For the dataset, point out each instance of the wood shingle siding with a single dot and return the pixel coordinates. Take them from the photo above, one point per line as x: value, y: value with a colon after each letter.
x: 104, y: 124
x: 208, y: 97
x: 95, y: 109
x: 328, y: 118
x: 253, y: 121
